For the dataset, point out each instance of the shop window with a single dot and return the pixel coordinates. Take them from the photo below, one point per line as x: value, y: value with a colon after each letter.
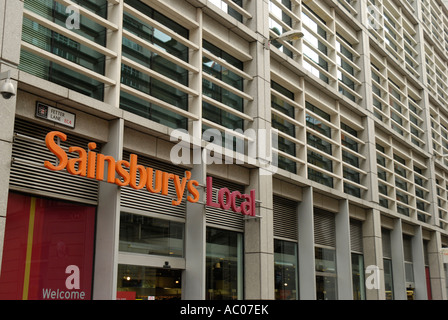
x: 388, y: 279
x: 359, y: 289
x: 147, y: 235
x: 48, y: 250
x: 325, y: 255
x: 286, y: 269
x: 146, y: 283
x: 326, y: 277
x: 224, y: 265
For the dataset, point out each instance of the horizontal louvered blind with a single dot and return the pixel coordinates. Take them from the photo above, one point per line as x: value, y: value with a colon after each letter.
x: 225, y: 218
x: 285, y: 218
x: 356, y: 236
x: 153, y: 202
x: 387, y: 250
x: 407, y: 248
x: 324, y: 228
x: 28, y: 173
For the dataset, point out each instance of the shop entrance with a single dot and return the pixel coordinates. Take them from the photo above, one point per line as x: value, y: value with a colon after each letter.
x: 147, y: 283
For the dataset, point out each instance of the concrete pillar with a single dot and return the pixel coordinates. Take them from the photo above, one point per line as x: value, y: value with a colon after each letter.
x: 436, y: 267
x: 343, y: 252
x: 258, y: 235
x: 307, y: 270
x: 259, y: 241
x: 396, y: 239
x: 108, y: 222
x: 11, y: 12
x: 418, y: 260
x: 193, y: 277
x: 373, y: 252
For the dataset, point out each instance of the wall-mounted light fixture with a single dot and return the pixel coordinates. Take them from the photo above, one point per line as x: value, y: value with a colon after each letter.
x: 7, y: 88
x: 286, y: 36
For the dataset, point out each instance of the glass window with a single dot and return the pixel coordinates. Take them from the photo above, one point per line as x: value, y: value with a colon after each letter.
x: 226, y: 8
x: 224, y: 264
x: 342, y: 58
x: 218, y: 93
x: 326, y: 281
x: 147, y: 235
x: 359, y: 289
x: 285, y: 268
x: 313, y: 48
x: 143, y: 56
x: 284, y: 126
x: 146, y: 283
x: 278, y: 14
x: 388, y: 279
x: 315, y: 158
x: 64, y: 47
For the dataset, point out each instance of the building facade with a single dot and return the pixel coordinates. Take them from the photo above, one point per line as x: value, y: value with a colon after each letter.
x: 349, y: 201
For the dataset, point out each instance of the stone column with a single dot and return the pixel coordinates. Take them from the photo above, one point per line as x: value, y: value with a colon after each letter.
x: 108, y: 222
x: 193, y: 277
x: 259, y: 241
x: 396, y: 239
x: 11, y: 13
x: 418, y: 261
x: 373, y: 254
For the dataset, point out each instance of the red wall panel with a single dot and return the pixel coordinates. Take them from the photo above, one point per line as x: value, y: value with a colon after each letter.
x: 43, y: 237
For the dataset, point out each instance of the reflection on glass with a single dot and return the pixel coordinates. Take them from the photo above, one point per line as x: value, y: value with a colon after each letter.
x: 284, y: 126
x: 326, y: 288
x: 147, y: 235
x: 224, y: 264
x: 145, y: 283
x: 359, y: 289
x: 64, y: 47
x: 388, y: 279
x: 226, y: 8
x: 326, y: 281
x: 313, y: 48
x: 285, y: 268
x: 277, y: 27
x: 140, y: 81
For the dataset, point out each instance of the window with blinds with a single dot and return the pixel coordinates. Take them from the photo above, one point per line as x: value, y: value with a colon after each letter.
x: 143, y: 200
x: 324, y: 228
x: 225, y: 218
x: 387, y: 250
x: 28, y: 173
x: 43, y: 43
x: 356, y: 236
x: 285, y: 218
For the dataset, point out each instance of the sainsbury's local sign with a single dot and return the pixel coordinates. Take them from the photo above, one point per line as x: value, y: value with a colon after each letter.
x: 91, y: 164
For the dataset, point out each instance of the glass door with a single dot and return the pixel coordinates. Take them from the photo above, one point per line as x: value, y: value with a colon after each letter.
x: 147, y: 283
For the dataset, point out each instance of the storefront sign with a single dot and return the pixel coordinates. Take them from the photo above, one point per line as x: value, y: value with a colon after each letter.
x: 228, y: 200
x: 56, y: 115
x: 91, y: 164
